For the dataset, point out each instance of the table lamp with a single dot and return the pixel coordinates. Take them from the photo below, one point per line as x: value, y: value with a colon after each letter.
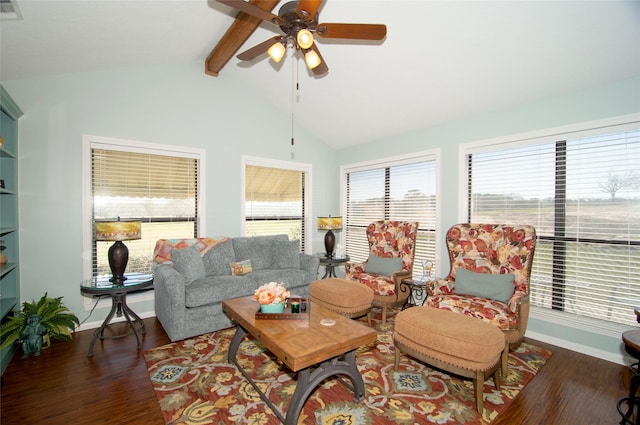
x: 329, y: 224
x: 118, y: 254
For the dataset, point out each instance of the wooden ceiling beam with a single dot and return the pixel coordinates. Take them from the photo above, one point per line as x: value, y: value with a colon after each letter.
x: 237, y: 34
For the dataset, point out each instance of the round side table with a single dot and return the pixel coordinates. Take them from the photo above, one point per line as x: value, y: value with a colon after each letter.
x: 417, y: 291
x: 100, y: 286
x: 330, y: 264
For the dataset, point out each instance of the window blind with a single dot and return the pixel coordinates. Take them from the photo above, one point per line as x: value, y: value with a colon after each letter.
x: 398, y: 190
x: 582, y: 195
x: 159, y: 190
x: 275, y: 202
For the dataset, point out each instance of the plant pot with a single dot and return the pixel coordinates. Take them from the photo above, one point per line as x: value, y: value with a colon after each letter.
x: 272, y: 308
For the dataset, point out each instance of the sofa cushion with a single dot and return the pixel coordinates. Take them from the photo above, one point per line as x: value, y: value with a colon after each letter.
x: 493, y: 286
x: 492, y: 311
x: 241, y: 267
x: 217, y: 260
x: 188, y: 262
x: 257, y: 249
x: 285, y: 254
x: 215, y: 289
x: 291, y: 278
x: 383, y: 265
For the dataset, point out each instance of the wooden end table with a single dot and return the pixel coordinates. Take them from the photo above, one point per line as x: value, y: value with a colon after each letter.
x: 100, y: 286
x: 315, y: 351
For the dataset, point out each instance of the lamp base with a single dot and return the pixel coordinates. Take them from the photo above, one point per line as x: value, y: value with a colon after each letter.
x: 329, y: 243
x: 118, y: 256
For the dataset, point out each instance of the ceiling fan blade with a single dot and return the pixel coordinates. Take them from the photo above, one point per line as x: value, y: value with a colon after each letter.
x: 237, y: 34
x: 352, y: 31
x: 258, y: 49
x: 253, y: 10
x: 322, y: 68
x: 310, y: 8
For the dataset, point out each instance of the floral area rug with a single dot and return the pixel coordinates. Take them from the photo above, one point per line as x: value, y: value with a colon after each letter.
x: 196, y: 385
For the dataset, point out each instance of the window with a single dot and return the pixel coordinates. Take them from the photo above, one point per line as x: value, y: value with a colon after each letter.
x: 275, y: 198
x: 157, y: 185
x: 581, y: 192
x: 395, y: 189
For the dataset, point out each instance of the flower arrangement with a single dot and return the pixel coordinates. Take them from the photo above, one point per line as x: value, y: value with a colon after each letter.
x: 271, y: 293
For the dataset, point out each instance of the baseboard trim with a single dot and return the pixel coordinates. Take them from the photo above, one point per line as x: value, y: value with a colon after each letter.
x: 580, y: 348
x: 98, y: 323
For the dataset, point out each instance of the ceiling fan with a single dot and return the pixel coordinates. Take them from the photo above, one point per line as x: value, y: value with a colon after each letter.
x: 298, y: 21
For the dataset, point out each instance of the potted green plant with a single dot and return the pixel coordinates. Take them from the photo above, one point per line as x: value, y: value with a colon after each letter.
x: 38, y: 322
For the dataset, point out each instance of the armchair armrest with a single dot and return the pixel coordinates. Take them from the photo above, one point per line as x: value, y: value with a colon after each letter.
x: 517, y: 299
x: 353, y: 267
x: 397, y: 278
x: 441, y: 287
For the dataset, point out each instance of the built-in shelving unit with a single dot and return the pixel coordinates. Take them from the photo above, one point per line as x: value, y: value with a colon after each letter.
x: 10, y: 113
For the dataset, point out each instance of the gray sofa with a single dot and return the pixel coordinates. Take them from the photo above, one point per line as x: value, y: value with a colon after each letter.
x: 191, y: 282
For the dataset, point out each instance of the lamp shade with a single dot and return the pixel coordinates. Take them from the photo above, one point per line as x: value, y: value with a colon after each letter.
x: 118, y: 230
x: 276, y: 51
x: 330, y: 223
x: 304, y: 39
x: 312, y: 59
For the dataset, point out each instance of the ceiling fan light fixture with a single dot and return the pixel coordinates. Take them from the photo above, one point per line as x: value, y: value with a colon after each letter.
x: 305, y: 39
x: 276, y: 51
x: 312, y: 59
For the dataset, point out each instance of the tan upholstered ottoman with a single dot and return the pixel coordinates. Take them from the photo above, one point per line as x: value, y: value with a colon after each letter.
x: 351, y: 299
x: 452, y: 342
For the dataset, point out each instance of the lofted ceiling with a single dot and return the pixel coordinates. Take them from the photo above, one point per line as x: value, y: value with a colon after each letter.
x: 441, y: 60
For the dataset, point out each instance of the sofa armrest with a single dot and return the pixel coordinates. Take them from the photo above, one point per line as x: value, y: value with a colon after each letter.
x: 310, y: 264
x: 169, y: 286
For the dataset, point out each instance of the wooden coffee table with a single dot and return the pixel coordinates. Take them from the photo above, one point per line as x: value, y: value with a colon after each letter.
x: 313, y: 350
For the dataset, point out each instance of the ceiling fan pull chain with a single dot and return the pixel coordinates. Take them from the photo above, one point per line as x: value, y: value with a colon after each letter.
x: 293, y: 77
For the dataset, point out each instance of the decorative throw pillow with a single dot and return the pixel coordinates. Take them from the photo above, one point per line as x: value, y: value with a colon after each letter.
x: 383, y: 265
x: 494, y: 286
x: 241, y: 267
x: 285, y: 254
x: 217, y: 259
x: 162, y: 250
x: 188, y: 262
x: 257, y: 249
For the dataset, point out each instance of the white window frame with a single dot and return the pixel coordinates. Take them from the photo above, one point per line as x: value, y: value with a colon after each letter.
x: 421, y: 156
x: 285, y: 165
x: 584, y: 129
x: 90, y: 142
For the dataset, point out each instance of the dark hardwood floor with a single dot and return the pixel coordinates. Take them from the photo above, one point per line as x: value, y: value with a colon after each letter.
x: 63, y: 386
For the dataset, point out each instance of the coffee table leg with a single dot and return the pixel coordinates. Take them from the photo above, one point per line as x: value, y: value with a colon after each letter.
x: 308, y: 381
x: 232, y: 358
x: 235, y: 344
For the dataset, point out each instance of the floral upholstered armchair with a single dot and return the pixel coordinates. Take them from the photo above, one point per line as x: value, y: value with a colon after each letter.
x: 489, y: 276
x: 392, y: 246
